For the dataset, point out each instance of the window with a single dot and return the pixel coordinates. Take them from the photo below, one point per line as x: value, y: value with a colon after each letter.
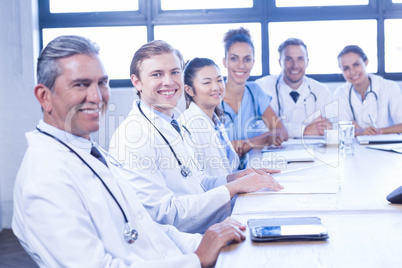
x: 323, y: 51
x: 57, y: 6
x: 196, y: 28
x: 208, y: 42
x: 304, y: 3
x: 205, y: 4
x: 393, y: 46
x: 116, y: 46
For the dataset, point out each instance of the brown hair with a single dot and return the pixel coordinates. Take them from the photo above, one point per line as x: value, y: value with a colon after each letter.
x: 232, y: 36
x: 291, y: 42
x: 153, y: 48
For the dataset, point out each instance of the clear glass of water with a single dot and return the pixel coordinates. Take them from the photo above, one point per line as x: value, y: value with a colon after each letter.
x: 346, y: 138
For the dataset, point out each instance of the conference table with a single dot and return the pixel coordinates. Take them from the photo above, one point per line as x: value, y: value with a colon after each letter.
x: 348, y: 194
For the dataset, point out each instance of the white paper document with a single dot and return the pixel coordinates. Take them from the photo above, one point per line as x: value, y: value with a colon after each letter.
x: 304, y: 185
x: 301, y: 155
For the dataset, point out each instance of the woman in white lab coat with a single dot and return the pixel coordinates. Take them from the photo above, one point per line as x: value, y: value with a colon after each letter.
x: 370, y: 101
x: 204, y: 90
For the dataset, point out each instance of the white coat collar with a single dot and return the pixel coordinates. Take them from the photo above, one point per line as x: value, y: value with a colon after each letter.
x: 196, y: 110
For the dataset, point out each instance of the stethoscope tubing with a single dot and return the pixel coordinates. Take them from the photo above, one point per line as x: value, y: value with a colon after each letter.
x: 304, y: 101
x: 184, y: 171
x: 130, y: 234
x: 365, y: 97
x: 252, y: 99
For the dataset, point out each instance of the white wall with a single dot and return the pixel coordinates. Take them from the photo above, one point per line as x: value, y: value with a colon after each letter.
x: 19, y: 112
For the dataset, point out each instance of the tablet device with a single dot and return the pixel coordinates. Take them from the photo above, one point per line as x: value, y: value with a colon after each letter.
x: 295, y: 228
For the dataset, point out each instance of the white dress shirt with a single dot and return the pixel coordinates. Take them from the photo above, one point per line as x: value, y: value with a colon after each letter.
x: 65, y: 217
x: 190, y: 203
x: 385, y: 111
x: 314, y: 100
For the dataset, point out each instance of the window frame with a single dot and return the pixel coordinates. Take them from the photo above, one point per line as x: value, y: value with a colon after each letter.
x: 149, y: 14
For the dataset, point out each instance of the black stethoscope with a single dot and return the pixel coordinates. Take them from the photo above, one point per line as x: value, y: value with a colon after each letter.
x: 365, y: 97
x: 304, y: 101
x: 254, y: 108
x: 184, y: 171
x: 129, y: 234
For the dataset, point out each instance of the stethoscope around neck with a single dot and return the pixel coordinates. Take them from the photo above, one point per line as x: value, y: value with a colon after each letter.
x: 365, y: 97
x: 256, y: 117
x: 184, y: 171
x: 304, y: 101
x: 129, y: 234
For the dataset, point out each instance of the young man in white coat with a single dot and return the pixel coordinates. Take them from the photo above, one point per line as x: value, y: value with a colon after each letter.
x: 169, y: 182
x: 71, y: 206
x: 297, y: 99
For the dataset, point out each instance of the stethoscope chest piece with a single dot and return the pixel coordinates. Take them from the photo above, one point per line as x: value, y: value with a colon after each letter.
x: 130, y: 234
x: 185, y: 171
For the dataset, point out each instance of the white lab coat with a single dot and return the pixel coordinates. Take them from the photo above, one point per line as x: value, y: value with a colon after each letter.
x: 64, y: 216
x: 387, y: 111
x: 206, y: 142
x: 296, y: 116
x: 192, y: 203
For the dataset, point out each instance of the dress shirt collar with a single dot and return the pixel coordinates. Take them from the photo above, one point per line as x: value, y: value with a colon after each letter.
x: 285, y: 87
x: 156, y: 112
x: 68, y: 138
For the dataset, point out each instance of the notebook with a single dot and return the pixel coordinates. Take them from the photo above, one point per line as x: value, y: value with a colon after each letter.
x: 299, y: 155
x: 383, y: 138
x: 289, y: 228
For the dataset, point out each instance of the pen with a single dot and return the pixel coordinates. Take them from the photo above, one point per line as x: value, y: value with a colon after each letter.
x: 372, y: 121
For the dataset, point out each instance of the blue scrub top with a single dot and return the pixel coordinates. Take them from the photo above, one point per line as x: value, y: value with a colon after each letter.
x: 243, y: 125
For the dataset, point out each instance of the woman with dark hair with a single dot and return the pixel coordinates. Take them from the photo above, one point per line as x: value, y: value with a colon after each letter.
x: 204, y: 90
x: 249, y: 120
x: 370, y: 101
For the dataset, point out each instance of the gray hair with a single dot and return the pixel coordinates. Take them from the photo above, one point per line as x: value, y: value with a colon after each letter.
x: 48, y: 68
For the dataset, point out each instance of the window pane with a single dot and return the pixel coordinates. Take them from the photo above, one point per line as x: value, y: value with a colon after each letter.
x: 323, y: 51
x: 117, y: 45
x: 206, y: 41
x: 205, y: 4
x: 393, y: 45
x: 304, y: 3
x: 58, y: 6
x: 396, y: 1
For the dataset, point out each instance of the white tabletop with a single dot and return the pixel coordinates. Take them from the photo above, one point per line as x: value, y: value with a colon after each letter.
x: 355, y: 240
x: 364, y: 228
x: 364, y: 182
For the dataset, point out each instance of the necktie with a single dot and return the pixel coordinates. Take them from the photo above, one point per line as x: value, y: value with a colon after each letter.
x: 175, y: 124
x: 295, y: 95
x: 95, y: 152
